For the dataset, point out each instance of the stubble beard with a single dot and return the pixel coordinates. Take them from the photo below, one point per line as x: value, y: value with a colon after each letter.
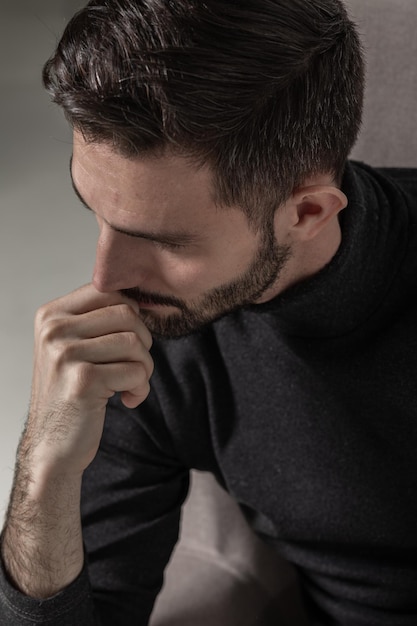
x: 265, y: 268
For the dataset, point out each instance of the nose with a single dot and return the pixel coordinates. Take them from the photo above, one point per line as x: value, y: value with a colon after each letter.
x: 117, y: 265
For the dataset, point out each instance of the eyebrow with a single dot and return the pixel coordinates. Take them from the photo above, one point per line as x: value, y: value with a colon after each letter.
x: 169, y: 238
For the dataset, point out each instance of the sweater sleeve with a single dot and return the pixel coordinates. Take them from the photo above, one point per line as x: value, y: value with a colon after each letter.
x: 74, y: 605
x: 131, y: 502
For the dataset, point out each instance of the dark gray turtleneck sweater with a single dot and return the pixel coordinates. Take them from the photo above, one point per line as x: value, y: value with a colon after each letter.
x: 304, y: 408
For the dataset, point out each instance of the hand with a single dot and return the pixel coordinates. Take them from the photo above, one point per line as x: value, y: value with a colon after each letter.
x: 88, y: 346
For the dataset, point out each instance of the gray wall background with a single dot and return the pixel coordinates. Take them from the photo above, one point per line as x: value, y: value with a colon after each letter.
x: 47, y: 240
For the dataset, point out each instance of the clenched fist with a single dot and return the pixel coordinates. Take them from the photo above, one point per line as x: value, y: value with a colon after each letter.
x: 88, y: 346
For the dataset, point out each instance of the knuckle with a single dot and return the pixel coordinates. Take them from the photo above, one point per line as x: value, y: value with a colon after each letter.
x: 84, y: 375
x: 42, y: 315
x: 52, y: 329
x: 147, y: 369
x: 138, y: 375
x: 48, y: 329
x: 142, y: 372
x: 131, y: 339
x: 147, y: 338
x: 66, y: 352
x: 126, y: 313
x: 151, y: 366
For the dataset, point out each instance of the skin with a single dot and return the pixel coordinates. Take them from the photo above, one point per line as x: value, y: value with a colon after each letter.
x: 95, y: 341
x: 189, y: 279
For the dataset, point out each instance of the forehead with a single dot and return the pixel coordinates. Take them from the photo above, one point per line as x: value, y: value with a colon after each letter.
x: 111, y: 183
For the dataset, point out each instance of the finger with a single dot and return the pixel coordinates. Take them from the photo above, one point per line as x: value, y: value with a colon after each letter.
x: 105, y: 321
x: 131, y: 401
x: 128, y: 378
x: 113, y: 348
x: 88, y: 298
x: 94, y: 324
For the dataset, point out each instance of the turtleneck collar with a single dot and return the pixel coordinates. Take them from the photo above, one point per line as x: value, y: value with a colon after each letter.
x: 351, y: 288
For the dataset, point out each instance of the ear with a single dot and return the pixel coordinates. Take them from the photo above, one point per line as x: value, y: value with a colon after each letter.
x: 312, y: 208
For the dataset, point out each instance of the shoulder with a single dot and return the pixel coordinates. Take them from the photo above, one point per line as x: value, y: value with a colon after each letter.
x: 403, y: 178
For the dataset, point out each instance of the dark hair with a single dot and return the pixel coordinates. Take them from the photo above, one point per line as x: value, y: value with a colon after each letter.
x: 267, y: 92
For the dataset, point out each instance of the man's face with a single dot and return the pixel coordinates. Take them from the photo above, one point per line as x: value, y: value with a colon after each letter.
x: 164, y: 243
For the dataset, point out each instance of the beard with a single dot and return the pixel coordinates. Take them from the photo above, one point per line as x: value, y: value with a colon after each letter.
x: 266, y: 266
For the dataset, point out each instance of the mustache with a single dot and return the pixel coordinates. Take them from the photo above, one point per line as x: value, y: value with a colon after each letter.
x: 152, y: 298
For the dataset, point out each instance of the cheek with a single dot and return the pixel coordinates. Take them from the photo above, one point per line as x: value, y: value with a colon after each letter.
x: 185, y: 277
x: 190, y: 277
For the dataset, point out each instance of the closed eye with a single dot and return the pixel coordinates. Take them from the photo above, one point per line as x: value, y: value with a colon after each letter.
x: 168, y: 245
x: 168, y: 241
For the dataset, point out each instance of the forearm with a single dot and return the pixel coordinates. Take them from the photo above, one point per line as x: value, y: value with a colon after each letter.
x: 88, y: 346
x: 42, y: 547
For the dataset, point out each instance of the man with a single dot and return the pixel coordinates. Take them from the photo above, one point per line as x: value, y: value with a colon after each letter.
x: 277, y: 282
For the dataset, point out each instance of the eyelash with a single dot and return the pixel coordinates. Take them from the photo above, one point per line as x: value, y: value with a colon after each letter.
x: 168, y: 246
x: 158, y: 244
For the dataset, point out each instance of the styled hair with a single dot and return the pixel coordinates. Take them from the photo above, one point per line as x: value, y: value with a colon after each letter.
x: 266, y: 92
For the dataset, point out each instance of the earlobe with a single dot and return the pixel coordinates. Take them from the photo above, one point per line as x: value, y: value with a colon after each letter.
x: 314, y: 208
